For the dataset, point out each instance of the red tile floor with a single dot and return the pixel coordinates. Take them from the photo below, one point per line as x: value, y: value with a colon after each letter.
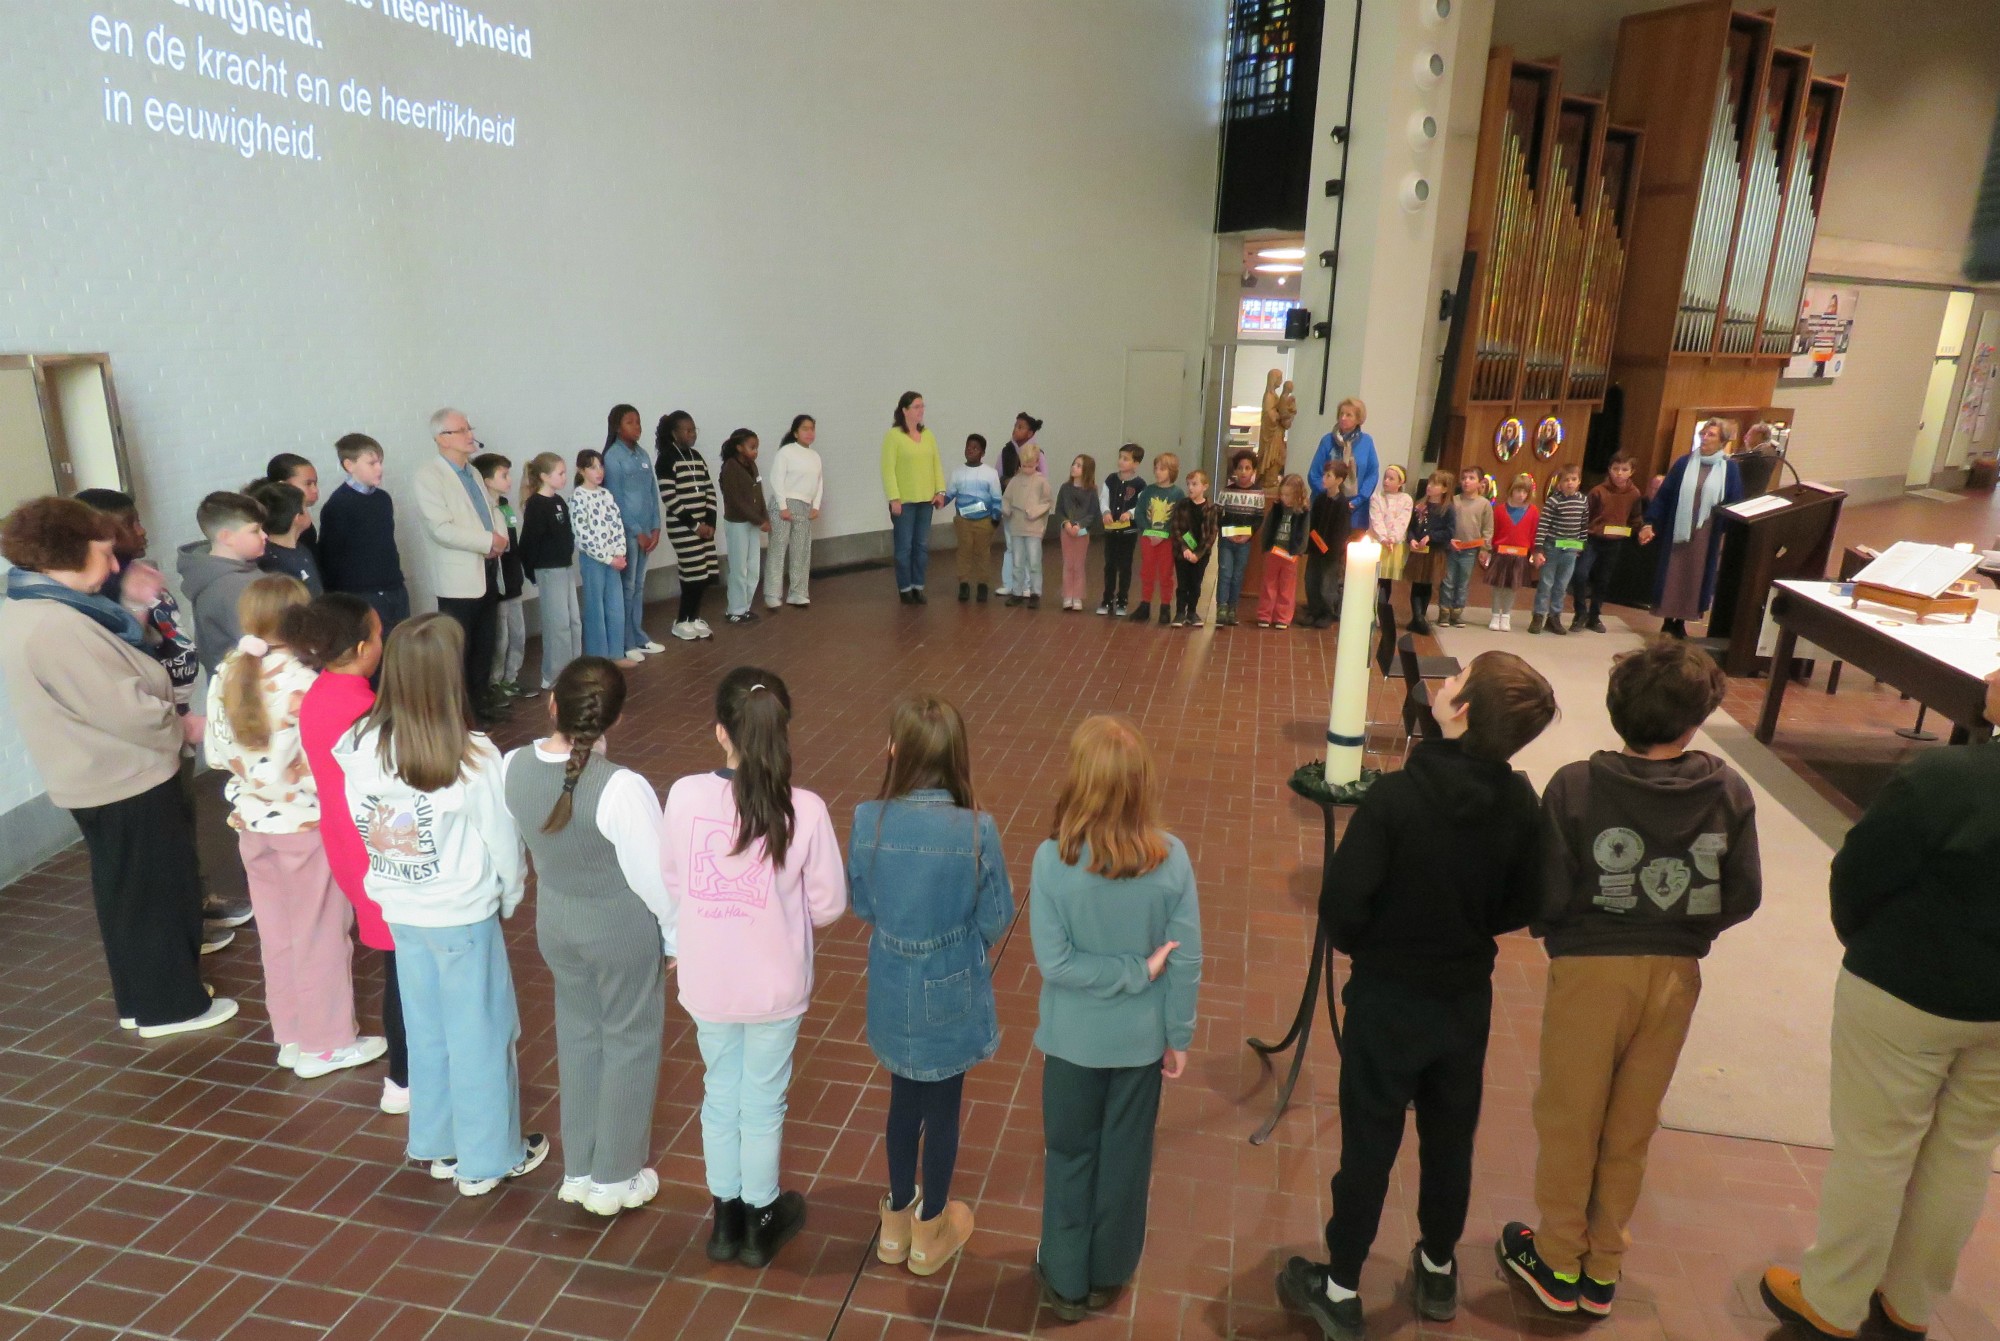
x: 187, y: 1188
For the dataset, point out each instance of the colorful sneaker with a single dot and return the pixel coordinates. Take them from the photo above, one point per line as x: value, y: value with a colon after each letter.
x: 1516, y: 1251
x: 1302, y: 1285
x: 1593, y: 1296
x: 395, y: 1098
x: 313, y: 1065
x: 1786, y: 1299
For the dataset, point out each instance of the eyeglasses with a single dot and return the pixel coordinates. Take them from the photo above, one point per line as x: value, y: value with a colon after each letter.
x: 454, y: 432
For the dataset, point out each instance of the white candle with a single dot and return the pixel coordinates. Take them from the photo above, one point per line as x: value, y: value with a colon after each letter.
x: 1348, y: 721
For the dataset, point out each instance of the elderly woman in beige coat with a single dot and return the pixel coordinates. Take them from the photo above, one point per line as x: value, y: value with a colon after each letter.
x: 98, y: 714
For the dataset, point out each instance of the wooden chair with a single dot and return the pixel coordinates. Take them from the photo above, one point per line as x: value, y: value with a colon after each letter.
x: 1417, y: 669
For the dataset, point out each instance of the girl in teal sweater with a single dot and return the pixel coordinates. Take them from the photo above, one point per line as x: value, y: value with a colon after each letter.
x: 1117, y: 932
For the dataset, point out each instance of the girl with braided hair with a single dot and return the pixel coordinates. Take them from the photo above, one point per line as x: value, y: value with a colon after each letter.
x: 752, y: 867
x: 593, y: 831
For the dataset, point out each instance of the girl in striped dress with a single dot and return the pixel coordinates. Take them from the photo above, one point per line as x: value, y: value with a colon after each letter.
x: 687, y: 502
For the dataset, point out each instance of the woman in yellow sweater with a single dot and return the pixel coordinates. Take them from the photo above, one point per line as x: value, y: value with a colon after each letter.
x: 913, y: 479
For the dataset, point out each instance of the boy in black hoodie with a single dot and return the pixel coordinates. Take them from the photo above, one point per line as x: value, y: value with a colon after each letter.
x: 1651, y: 853
x: 1417, y: 917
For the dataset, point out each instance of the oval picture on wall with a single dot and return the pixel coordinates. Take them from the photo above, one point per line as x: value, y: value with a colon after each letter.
x: 1507, y: 439
x: 1548, y: 437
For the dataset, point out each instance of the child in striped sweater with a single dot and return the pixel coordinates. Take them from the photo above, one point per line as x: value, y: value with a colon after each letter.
x: 1559, y: 539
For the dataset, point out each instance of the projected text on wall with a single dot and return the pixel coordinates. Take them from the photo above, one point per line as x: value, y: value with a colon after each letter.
x: 259, y: 80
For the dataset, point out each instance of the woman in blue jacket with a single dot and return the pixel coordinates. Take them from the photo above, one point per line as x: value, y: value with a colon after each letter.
x: 926, y: 872
x: 1684, y: 511
x: 1346, y: 442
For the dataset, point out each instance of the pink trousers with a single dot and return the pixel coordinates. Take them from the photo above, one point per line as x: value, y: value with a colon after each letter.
x: 1281, y: 587
x: 303, y: 922
x: 1076, y: 565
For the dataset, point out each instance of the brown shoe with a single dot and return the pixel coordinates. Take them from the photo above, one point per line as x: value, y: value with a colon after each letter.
x: 893, y: 1244
x: 933, y: 1243
x: 1786, y: 1298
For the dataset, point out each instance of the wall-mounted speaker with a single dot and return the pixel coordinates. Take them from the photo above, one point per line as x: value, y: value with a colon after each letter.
x: 1298, y: 324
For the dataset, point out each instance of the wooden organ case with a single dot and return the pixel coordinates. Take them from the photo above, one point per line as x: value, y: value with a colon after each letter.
x: 1555, y: 184
x: 1739, y: 135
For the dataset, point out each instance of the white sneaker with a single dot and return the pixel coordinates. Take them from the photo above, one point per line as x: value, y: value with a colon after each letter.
x: 127, y: 1022
x: 288, y: 1056
x: 800, y: 601
x: 1493, y: 621
x: 701, y: 627
x: 639, y: 653
x: 687, y: 633
x: 1507, y: 623
x: 537, y: 1151
x: 395, y: 1098
x: 360, y: 1052
x: 635, y: 1191
x: 770, y: 604
x: 220, y: 1011
x: 574, y: 1189
x: 652, y: 646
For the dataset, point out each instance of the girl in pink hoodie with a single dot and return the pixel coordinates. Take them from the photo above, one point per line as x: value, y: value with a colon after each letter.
x: 339, y: 636
x: 752, y: 866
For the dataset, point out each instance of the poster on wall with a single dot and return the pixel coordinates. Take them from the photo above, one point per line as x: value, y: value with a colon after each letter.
x: 1826, y: 324
x: 1975, y: 402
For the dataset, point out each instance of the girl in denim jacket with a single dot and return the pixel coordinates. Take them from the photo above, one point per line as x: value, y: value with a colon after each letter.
x: 926, y: 871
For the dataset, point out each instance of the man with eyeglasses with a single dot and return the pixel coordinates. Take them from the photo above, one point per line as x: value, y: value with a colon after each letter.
x: 464, y: 543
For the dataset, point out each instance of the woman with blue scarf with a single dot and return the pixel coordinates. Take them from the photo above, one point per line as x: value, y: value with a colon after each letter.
x: 1684, y: 512
x: 97, y: 712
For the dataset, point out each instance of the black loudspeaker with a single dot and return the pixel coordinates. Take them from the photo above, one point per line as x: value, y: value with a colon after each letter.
x: 1298, y: 324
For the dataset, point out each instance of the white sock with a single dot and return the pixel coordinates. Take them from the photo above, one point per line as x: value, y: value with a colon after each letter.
x: 1431, y: 1266
x: 1338, y: 1293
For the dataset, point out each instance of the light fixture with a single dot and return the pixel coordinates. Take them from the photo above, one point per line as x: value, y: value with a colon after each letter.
x: 1428, y: 69
x: 1283, y: 253
x: 1280, y: 268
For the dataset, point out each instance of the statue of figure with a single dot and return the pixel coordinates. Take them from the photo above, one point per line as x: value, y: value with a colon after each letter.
x: 1281, y: 407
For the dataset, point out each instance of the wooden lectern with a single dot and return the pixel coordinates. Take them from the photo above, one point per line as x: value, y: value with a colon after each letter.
x: 1793, y: 541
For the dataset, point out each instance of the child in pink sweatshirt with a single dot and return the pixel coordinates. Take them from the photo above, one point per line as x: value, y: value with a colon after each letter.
x: 752, y: 866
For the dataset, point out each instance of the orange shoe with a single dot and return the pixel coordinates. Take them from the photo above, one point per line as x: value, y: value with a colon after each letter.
x: 1787, y: 1300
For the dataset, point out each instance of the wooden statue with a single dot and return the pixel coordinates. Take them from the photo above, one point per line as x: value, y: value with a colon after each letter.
x: 1281, y: 407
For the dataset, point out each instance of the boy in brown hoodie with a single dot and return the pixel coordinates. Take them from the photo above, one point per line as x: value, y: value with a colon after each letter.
x: 1617, y: 512
x: 1650, y: 853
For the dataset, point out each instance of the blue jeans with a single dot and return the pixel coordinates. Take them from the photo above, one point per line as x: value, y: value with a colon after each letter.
x: 1458, y: 567
x: 748, y: 1068
x: 746, y: 562
x: 633, y: 582
x: 1026, y: 552
x: 603, y: 609
x: 913, y: 545
x: 1556, y: 575
x: 1232, y: 560
x: 459, y: 1015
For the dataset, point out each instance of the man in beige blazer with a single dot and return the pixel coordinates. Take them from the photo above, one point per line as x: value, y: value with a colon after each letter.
x: 463, y: 540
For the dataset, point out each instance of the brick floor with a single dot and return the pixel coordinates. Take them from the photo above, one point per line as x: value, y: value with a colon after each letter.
x: 187, y: 1188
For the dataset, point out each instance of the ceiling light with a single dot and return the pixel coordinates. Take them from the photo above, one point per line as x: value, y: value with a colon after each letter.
x: 1280, y: 268
x: 1283, y: 253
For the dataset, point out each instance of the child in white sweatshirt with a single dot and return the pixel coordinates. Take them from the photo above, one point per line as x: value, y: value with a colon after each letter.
x: 445, y: 864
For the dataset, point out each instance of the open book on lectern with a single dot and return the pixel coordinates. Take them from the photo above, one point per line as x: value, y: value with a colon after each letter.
x: 1920, y: 570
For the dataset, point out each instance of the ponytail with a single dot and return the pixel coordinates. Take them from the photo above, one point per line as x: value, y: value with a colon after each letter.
x: 589, y: 696
x: 262, y: 611
x: 755, y: 708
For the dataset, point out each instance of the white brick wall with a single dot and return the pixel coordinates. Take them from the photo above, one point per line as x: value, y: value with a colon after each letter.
x: 745, y: 210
